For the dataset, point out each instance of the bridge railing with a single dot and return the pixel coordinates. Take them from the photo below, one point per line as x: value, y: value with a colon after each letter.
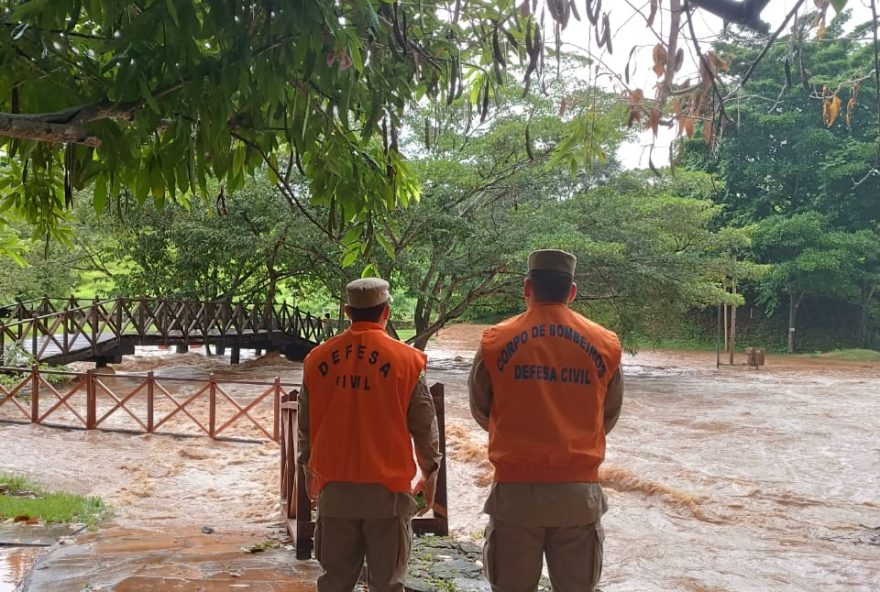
x: 76, y: 326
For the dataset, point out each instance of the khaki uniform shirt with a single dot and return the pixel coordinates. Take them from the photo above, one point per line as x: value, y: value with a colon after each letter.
x: 371, y: 500
x: 541, y: 504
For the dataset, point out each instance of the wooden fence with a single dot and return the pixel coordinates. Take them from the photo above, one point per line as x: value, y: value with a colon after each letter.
x: 96, y: 401
x: 181, y: 406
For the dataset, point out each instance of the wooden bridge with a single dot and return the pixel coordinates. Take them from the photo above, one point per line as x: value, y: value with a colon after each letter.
x: 60, y: 331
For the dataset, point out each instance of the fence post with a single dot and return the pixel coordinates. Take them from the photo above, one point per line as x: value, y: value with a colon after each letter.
x: 93, y: 314
x: 35, y: 393
x: 65, y: 330
x: 437, y: 394
x: 118, y: 331
x: 212, y: 405
x: 34, y: 325
x: 276, y: 428
x: 91, y: 401
x: 150, y: 394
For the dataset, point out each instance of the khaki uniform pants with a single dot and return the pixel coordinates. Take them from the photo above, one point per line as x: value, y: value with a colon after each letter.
x: 513, y: 556
x: 341, y: 544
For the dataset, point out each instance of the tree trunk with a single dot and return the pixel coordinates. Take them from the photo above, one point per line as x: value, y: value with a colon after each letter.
x: 421, y: 322
x: 732, y: 330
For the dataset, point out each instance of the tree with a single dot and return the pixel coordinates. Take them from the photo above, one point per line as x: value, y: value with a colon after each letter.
x: 809, y: 258
x: 157, y: 98
x: 645, y: 248
x: 795, y: 165
x: 483, y: 185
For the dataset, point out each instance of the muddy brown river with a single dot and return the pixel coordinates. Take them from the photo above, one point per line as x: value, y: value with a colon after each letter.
x: 718, y: 480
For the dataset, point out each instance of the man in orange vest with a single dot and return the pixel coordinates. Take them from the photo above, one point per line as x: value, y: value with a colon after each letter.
x: 547, y: 387
x: 363, y: 404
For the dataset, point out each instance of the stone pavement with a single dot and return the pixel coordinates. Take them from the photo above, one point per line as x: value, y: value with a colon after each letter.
x: 188, y: 560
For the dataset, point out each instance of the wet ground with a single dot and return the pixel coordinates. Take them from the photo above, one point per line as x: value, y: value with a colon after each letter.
x: 730, y: 479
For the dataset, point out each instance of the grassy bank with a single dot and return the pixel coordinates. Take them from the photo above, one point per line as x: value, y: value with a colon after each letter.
x: 23, y: 500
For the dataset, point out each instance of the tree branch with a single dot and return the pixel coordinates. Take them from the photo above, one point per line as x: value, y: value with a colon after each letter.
x: 746, y: 13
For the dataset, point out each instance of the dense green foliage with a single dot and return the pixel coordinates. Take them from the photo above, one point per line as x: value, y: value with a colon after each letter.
x: 800, y: 170
x: 779, y: 216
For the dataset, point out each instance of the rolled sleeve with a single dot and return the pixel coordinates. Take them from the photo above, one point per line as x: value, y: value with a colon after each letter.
x: 613, y: 401
x: 421, y: 419
x: 480, y: 391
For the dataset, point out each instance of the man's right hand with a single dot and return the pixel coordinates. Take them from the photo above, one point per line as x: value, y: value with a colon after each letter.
x: 429, y: 489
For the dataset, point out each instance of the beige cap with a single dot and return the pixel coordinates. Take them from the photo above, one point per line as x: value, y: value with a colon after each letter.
x: 552, y: 260
x: 367, y: 292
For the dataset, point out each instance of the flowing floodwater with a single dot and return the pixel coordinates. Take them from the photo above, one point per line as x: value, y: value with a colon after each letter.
x: 718, y: 480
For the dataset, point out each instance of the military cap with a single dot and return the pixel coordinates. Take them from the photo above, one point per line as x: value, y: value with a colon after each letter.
x: 367, y: 292
x: 552, y: 260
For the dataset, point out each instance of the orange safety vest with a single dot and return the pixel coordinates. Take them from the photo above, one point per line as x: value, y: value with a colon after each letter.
x: 550, y: 368
x: 360, y: 384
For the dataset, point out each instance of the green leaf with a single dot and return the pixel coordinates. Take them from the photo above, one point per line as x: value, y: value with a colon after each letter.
x: 148, y: 96
x: 350, y: 256
x: 838, y: 4
x: 172, y: 10
x: 100, y: 197
x: 370, y: 270
x: 273, y: 166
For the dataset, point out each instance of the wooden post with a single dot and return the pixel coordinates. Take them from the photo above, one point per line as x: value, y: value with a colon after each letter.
x: 235, y: 356
x: 212, y: 405
x: 440, y: 499
x: 733, y: 323
x: 91, y: 401
x: 118, y: 331
x: 35, y: 393
x: 93, y: 314
x: 151, y: 383
x: 726, y: 325
x: 35, y: 322
x: 718, y: 340
x: 276, y: 425
x: 65, y: 331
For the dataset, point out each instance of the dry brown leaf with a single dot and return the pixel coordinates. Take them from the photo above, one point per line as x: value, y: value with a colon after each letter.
x: 687, y: 125
x: 679, y: 59
x: 820, y: 33
x: 654, y: 120
x: 660, y: 58
x: 636, y: 96
x: 821, y: 4
x: 852, y: 102
x: 635, y: 116
x: 676, y: 107
x: 708, y: 131
x: 831, y: 110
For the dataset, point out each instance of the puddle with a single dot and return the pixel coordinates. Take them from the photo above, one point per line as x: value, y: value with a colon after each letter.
x: 180, y: 560
x: 15, y: 563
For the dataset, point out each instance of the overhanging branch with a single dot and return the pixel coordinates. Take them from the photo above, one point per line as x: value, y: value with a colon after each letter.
x: 746, y: 13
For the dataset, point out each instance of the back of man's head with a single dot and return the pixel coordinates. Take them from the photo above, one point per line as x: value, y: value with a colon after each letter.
x: 550, y: 286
